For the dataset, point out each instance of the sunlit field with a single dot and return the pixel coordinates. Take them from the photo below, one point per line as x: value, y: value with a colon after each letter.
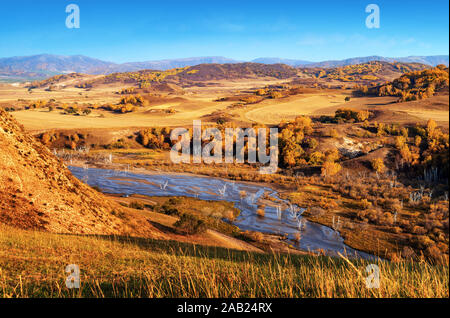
x: 128, y: 267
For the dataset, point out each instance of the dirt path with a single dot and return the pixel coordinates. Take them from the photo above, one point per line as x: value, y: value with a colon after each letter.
x: 232, y: 243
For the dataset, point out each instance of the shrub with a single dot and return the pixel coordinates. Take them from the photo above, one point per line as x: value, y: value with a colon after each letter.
x: 316, y: 158
x: 71, y: 110
x: 46, y: 138
x: 120, y: 214
x: 129, y: 90
x: 174, y: 201
x: 72, y: 145
x: 332, y: 155
x: 365, y: 204
x: 312, y: 143
x: 330, y: 168
x: 251, y: 99
x: 253, y: 236
x: 136, y: 100
x: 350, y: 115
x: 276, y: 95
x: 328, y: 204
x: 137, y: 205
x: 121, y: 108
x: 261, y: 92
x: 168, y: 209
x: 191, y: 224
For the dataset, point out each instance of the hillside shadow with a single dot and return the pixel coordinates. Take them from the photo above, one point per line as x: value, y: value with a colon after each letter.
x: 177, y: 248
x: 381, y: 104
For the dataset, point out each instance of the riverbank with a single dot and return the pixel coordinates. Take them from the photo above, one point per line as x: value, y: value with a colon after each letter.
x: 308, y: 192
x: 247, y: 207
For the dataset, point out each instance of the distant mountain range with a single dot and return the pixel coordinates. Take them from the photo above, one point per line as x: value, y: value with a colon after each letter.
x: 276, y: 60
x: 427, y: 60
x: 169, y: 64
x: 39, y: 66
x: 45, y: 65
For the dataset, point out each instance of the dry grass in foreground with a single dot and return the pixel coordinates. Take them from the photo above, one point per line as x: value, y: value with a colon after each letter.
x: 32, y: 265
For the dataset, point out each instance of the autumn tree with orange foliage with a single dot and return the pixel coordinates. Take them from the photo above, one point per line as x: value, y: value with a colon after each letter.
x: 378, y: 165
x: 291, y: 138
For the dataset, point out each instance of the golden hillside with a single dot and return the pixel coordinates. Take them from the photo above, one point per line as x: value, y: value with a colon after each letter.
x: 415, y: 85
x: 367, y: 73
x: 38, y: 192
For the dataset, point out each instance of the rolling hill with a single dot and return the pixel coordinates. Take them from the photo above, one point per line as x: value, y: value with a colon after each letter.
x: 191, y: 74
x: 364, y: 73
x: 415, y: 85
x: 38, y: 192
x: 373, y: 72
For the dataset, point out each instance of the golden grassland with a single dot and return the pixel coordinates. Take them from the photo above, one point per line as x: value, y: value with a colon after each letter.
x: 176, y: 109
x: 272, y: 113
x: 32, y: 265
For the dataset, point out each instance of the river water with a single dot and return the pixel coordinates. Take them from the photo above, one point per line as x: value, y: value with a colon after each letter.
x: 285, y: 220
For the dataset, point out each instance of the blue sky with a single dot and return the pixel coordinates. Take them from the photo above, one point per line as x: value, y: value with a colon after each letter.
x: 131, y: 30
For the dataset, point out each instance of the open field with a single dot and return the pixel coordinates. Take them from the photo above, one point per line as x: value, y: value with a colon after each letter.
x: 10, y: 94
x: 272, y: 112
x: 180, y: 109
x: 387, y: 110
x: 39, y: 119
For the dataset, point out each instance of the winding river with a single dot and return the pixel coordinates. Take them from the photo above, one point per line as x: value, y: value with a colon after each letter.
x: 285, y: 220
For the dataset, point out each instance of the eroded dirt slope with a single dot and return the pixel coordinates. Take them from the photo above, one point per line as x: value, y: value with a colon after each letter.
x: 37, y: 191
